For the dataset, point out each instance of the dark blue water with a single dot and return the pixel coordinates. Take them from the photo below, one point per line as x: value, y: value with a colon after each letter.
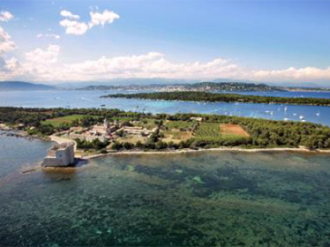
x: 91, y: 99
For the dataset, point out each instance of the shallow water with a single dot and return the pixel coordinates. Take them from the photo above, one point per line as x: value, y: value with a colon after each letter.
x: 17, y: 152
x: 91, y: 99
x: 195, y: 199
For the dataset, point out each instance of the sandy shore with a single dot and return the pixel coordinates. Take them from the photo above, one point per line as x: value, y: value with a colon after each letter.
x: 61, y: 140
x: 224, y: 149
x: 4, y: 127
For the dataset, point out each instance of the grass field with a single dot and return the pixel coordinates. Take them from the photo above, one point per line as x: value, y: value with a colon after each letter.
x: 132, y: 139
x: 217, y: 132
x: 179, y: 124
x: 233, y: 130
x: 208, y: 132
x: 58, y: 121
x: 146, y: 123
x: 176, y: 136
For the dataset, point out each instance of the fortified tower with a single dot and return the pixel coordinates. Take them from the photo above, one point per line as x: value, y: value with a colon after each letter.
x: 60, y: 155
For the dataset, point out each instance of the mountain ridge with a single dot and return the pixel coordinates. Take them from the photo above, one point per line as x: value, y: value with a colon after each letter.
x: 23, y: 86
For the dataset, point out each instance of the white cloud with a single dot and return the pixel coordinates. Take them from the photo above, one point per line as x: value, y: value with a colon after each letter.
x: 75, y: 27
x: 6, y: 44
x: 68, y: 14
x: 40, y: 56
x: 9, y: 67
x: 48, y: 35
x: 44, y: 65
x: 307, y: 74
x: 12, y: 64
x: 41, y: 64
x: 102, y: 18
x: 6, y: 16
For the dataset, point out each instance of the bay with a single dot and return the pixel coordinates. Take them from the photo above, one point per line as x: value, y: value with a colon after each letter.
x: 91, y: 99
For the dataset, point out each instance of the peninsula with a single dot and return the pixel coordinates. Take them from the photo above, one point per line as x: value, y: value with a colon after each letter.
x: 100, y: 131
x: 165, y: 86
x: 221, y: 97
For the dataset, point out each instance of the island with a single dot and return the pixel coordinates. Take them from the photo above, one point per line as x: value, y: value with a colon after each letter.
x: 221, y: 97
x: 100, y: 131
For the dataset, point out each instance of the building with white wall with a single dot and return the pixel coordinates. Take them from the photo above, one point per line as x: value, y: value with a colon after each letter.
x: 60, y: 155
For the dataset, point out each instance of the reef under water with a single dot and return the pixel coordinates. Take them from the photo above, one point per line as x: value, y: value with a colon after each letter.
x: 193, y: 199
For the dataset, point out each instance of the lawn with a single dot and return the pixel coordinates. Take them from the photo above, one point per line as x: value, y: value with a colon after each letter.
x: 56, y: 122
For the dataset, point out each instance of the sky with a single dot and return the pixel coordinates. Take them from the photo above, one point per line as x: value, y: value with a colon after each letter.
x: 54, y: 41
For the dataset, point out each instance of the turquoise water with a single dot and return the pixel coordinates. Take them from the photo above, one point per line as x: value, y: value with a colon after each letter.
x: 196, y: 199
x: 91, y: 99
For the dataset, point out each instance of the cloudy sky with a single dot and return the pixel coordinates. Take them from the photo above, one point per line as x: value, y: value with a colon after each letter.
x: 54, y: 41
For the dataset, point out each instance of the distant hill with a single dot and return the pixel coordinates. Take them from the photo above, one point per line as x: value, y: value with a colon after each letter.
x: 125, y: 82
x: 233, y: 86
x: 201, y: 86
x: 205, y: 87
x: 23, y: 86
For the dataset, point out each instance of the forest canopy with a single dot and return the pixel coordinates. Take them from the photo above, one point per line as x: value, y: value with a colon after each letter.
x: 262, y: 133
x: 221, y: 97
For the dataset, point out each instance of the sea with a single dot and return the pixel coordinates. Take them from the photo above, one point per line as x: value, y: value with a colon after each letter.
x: 211, y: 198
x: 91, y: 99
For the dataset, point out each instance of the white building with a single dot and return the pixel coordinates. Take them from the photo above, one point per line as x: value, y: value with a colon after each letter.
x: 60, y: 155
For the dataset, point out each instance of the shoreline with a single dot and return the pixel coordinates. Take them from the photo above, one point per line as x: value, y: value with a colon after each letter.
x: 230, y: 102
x: 59, y: 140
x: 219, y: 149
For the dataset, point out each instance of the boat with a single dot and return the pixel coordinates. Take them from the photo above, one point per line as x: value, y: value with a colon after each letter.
x: 301, y: 117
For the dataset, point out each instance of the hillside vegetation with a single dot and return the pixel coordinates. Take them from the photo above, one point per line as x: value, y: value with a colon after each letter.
x: 212, y: 131
x: 220, y: 97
